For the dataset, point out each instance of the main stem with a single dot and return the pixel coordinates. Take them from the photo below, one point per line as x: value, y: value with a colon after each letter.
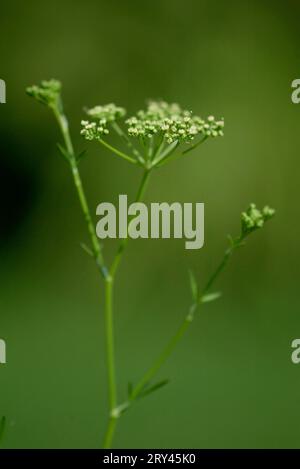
x: 108, y: 276
x: 109, y: 327
x: 109, y: 282
x: 112, y: 393
x: 110, y: 354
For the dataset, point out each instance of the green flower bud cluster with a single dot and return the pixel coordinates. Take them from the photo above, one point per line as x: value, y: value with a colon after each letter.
x: 48, y: 92
x: 172, y: 123
x: 109, y: 112
x: 254, y: 218
x: 94, y: 130
x: 102, y: 116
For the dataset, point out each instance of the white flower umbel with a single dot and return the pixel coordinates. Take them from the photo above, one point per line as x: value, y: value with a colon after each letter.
x: 155, y: 135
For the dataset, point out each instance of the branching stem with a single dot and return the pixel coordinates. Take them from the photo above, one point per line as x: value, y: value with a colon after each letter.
x: 167, y: 351
x: 97, y: 251
x: 118, y: 152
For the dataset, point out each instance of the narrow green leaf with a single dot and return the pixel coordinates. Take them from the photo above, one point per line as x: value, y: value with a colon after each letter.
x: 87, y: 249
x: 63, y: 151
x: 231, y: 240
x: 80, y: 156
x: 155, y: 387
x: 210, y: 297
x: 194, y: 286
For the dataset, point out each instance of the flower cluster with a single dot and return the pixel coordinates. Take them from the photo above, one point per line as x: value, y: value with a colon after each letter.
x: 48, y: 92
x: 109, y: 112
x: 254, y: 218
x: 93, y: 130
x: 172, y: 123
x: 102, y: 116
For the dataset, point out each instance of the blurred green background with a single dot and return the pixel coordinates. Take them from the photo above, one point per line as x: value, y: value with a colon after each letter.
x: 232, y: 381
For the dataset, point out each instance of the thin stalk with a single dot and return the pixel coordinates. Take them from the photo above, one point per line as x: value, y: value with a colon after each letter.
x: 97, y: 252
x: 109, y: 329
x: 172, y: 156
x: 195, y: 145
x: 109, y: 435
x: 166, y: 154
x: 167, y: 351
x: 110, y: 357
x: 124, y: 242
x: 124, y: 136
x: 114, y: 410
x: 118, y: 152
x: 159, y: 147
x: 110, y: 343
x: 222, y: 265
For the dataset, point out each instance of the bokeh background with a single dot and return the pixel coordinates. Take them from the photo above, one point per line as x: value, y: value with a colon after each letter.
x: 232, y: 382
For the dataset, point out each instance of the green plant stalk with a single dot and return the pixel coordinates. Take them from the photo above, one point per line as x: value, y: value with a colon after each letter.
x: 228, y: 253
x: 110, y: 354
x: 110, y: 342
x: 124, y: 136
x: 171, y: 156
x: 109, y: 327
x: 123, y: 244
x: 195, y: 145
x: 165, y: 154
x: 114, y: 414
x: 118, y: 152
x: 64, y: 127
x: 108, y: 276
x: 110, y: 431
x: 167, y: 351
x: 171, y: 345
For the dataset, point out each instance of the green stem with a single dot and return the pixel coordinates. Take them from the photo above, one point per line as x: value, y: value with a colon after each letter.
x: 163, y: 157
x: 110, y: 343
x: 222, y: 265
x: 114, y: 413
x: 124, y: 136
x: 64, y: 127
x: 109, y: 435
x: 195, y: 145
x: 123, y: 244
x: 110, y: 357
x: 118, y: 152
x: 167, y: 351
x: 159, y: 147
